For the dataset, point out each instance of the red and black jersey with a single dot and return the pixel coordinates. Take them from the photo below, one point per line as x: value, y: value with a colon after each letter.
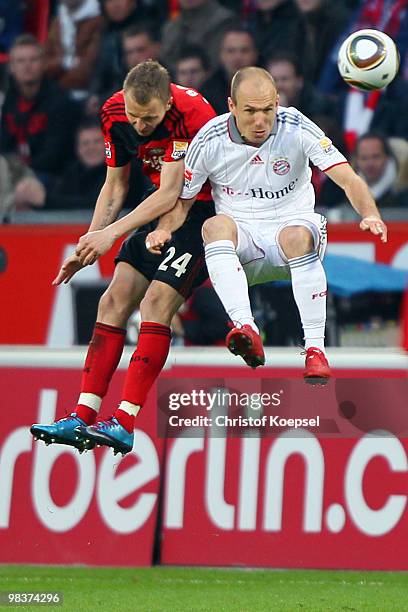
x: 169, y: 141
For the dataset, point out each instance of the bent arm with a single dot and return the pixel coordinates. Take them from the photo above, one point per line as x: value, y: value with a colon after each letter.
x: 111, y: 197
x: 175, y: 218
x: 157, y: 204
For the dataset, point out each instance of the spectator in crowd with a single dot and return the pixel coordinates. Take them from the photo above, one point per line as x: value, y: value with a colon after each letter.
x: 192, y: 67
x: 294, y: 90
x: 138, y: 43
x: 81, y: 182
x: 11, y: 22
x: 12, y: 173
x: 318, y: 27
x: 200, y: 22
x: 238, y: 50
x: 119, y: 16
x: 376, y: 163
x: 38, y: 119
x: 273, y: 26
x: 72, y: 44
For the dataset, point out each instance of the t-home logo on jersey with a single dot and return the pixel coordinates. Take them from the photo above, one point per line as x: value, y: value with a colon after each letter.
x: 261, y: 193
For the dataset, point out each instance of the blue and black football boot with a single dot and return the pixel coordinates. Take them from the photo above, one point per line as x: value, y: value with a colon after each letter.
x: 62, y: 431
x: 108, y: 433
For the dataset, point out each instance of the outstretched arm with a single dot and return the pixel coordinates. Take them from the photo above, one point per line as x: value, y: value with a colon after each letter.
x: 107, y: 207
x: 362, y: 201
x: 96, y: 243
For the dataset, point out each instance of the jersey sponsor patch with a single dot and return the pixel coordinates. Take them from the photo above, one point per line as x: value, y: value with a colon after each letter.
x: 327, y: 145
x: 179, y: 149
x: 108, y: 150
x: 280, y: 166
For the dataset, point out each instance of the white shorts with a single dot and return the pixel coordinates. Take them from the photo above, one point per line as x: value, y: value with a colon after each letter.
x: 260, y: 253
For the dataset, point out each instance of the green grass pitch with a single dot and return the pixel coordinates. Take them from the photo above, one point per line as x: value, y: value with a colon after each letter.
x: 176, y: 589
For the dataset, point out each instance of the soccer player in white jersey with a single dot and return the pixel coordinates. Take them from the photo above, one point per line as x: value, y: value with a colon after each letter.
x: 257, y: 160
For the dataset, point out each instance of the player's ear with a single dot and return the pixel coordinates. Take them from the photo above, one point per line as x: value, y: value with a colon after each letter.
x: 231, y: 105
x: 169, y: 103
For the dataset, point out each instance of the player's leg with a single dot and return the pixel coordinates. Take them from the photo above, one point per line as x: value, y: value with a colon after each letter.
x: 310, y: 290
x: 227, y: 275
x: 122, y: 297
x: 105, y: 349
x: 158, y: 307
x: 119, y: 301
x: 181, y: 268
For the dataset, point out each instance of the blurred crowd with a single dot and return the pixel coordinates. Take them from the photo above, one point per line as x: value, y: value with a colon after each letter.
x: 54, y: 79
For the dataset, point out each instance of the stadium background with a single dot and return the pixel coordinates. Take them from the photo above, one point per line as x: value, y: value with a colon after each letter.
x: 311, y: 502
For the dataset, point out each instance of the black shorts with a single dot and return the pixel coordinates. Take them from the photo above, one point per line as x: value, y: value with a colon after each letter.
x: 182, y: 263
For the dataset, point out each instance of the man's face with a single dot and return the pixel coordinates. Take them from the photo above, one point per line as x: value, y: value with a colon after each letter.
x: 145, y: 119
x: 371, y: 159
x: 255, y: 110
x: 27, y: 64
x: 118, y: 10
x: 287, y: 82
x: 190, y: 72
x: 237, y: 51
x: 138, y: 49
x: 90, y: 147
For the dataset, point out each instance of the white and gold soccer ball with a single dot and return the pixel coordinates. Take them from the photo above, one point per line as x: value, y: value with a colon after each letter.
x: 368, y: 60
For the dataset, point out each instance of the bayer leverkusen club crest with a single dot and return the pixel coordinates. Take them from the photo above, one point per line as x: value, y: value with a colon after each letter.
x: 280, y: 166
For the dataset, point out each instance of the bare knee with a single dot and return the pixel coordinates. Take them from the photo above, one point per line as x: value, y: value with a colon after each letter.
x: 296, y: 240
x: 160, y: 303
x: 115, y: 306
x: 220, y: 227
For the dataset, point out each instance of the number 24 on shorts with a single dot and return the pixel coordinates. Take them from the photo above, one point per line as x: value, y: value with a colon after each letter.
x: 180, y: 264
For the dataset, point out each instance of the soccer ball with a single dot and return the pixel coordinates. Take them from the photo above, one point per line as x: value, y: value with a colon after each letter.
x: 368, y: 60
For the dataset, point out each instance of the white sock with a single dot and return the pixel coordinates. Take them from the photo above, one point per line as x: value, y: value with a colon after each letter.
x: 128, y: 407
x: 310, y: 289
x: 90, y: 400
x: 229, y: 281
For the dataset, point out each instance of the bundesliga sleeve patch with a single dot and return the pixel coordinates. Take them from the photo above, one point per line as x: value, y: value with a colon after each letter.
x: 327, y: 145
x: 179, y: 149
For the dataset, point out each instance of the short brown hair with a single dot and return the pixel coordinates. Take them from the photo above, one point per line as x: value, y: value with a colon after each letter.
x: 148, y: 80
x: 245, y: 73
x: 26, y: 40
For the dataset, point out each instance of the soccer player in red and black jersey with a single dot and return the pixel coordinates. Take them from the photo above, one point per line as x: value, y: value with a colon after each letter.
x: 154, y: 120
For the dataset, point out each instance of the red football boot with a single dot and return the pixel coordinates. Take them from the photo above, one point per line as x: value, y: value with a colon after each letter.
x: 317, y: 369
x: 246, y: 342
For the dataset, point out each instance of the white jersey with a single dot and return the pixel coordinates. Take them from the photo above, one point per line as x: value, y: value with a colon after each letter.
x: 267, y: 182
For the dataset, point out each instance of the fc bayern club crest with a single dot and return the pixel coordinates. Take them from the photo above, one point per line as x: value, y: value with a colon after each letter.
x: 281, y: 166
